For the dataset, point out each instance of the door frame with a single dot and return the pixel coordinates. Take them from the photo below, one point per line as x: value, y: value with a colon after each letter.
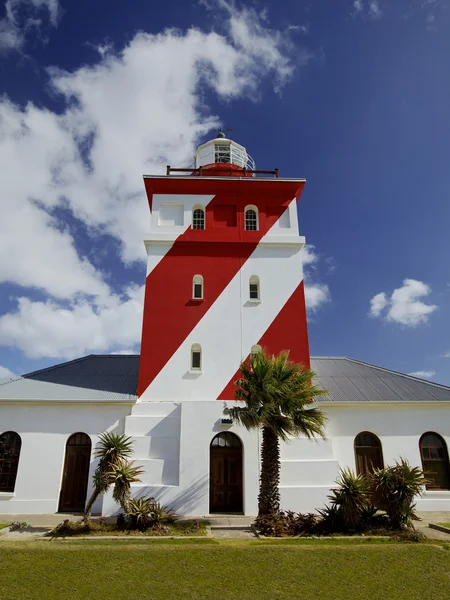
x: 64, y: 475
x: 241, y: 448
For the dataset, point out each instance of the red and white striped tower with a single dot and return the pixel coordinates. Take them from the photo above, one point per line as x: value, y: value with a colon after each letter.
x: 224, y: 274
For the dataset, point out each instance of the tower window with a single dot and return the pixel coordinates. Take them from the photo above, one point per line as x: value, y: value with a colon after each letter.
x: 196, y: 357
x: 198, y: 218
x: 197, y: 287
x: 254, y: 292
x: 251, y: 218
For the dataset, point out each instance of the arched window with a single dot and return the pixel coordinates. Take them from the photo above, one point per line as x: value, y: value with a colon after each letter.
x: 368, y: 453
x: 198, y: 218
x: 434, y: 454
x: 196, y: 357
x: 10, y: 444
x: 251, y: 218
x: 226, y: 439
x: 254, y: 291
x: 197, y: 287
x: 256, y: 349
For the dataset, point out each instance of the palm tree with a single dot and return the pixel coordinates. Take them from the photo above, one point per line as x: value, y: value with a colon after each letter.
x: 121, y: 476
x: 111, y: 449
x: 277, y: 395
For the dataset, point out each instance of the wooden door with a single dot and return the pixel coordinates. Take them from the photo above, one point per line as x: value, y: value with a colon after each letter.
x: 226, y: 474
x: 76, y: 473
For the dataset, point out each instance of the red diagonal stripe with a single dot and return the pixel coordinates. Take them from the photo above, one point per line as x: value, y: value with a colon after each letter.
x: 217, y: 254
x: 288, y: 331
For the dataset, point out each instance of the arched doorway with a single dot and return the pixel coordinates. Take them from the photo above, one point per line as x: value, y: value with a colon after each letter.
x: 225, y: 491
x: 76, y: 473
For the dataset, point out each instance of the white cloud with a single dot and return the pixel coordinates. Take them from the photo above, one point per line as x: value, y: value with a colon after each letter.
x: 132, y: 112
x: 378, y: 304
x: 46, y: 329
x: 21, y: 16
x: 6, y: 374
x: 423, y: 374
x: 370, y: 9
x: 405, y: 305
x: 316, y: 294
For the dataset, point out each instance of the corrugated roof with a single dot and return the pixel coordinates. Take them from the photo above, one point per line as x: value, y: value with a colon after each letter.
x: 115, y: 377
x: 349, y: 380
x: 94, y: 377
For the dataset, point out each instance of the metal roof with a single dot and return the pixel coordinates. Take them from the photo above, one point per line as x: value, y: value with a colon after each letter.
x: 91, y: 378
x: 114, y: 377
x: 349, y: 380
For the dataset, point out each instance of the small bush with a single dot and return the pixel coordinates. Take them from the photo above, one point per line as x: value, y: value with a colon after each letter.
x: 144, y: 513
x: 287, y: 523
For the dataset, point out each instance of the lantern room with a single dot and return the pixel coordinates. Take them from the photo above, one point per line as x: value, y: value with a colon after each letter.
x: 223, y: 154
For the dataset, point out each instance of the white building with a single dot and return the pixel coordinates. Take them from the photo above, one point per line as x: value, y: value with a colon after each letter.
x: 224, y: 279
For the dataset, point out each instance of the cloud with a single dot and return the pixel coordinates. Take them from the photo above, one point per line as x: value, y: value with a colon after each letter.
x: 423, y: 374
x: 46, y: 329
x: 133, y: 111
x: 316, y: 294
x: 6, y: 374
x: 405, y: 305
x: 22, y: 16
x: 370, y: 9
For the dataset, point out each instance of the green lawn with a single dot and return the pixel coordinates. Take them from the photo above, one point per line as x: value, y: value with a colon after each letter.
x: 3, y: 525
x: 445, y: 525
x: 225, y: 569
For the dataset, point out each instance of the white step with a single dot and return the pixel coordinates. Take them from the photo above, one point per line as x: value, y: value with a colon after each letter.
x: 158, y: 471
x: 146, y: 446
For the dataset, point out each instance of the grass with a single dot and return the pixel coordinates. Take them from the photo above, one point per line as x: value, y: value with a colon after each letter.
x: 3, y: 525
x: 96, y: 528
x: 226, y: 569
x: 444, y: 525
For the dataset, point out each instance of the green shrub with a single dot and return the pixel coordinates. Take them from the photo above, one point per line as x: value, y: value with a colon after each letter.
x: 394, y: 489
x: 351, y: 497
x: 147, y: 512
x: 287, y: 523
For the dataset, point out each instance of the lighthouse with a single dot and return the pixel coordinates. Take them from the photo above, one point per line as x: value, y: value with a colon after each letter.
x: 224, y: 274
x: 224, y: 281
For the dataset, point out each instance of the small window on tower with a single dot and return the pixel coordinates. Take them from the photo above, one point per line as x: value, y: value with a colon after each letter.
x: 198, y: 218
x: 196, y: 357
x: 251, y: 218
x: 197, y: 287
x: 254, y: 292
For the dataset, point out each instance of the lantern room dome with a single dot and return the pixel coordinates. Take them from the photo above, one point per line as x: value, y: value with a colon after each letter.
x: 221, y: 153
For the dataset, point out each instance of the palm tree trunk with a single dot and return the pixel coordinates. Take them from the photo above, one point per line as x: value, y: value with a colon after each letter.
x: 269, y: 492
x: 87, y: 511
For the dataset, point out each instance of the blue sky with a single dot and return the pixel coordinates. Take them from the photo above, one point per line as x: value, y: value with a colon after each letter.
x: 351, y: 94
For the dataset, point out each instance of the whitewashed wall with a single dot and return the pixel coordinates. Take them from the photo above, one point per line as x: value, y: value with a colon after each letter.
x: 44, y: 429
x: 172, y: 441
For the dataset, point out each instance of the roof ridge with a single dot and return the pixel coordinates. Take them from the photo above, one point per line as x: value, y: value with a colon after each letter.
x: 58, y: 366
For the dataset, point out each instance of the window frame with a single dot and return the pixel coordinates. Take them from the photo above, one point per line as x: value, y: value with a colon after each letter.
x: 254, y: 280
x: 198, y: 280
x: 196, y: 208
x: 196, y: 349
x: 378, y: 445
x: 12, y: 472
x: 445, y: 460
x: 254, y: 209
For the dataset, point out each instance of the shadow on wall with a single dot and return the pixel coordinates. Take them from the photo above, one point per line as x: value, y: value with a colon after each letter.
x: 187, y: 501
